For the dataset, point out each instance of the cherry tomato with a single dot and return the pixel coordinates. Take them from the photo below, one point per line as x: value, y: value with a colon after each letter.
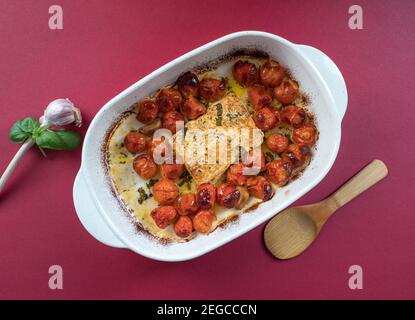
x: 171, y: 171
x: 145, y: 166
x: 169, y: 120
x: 255, y: 157
x: 203, y: 220
x: 206, y: 195
x: 147, y: 111
x: 277, y: 142
x: 306, y: 134
x: 279, y: 172
x: 265, y: 119
x: 163, y: 216
x: 136, y: 142
x: 213, y: 89
x: 245, y: 73
x: 294, y: 116
x: 227, y: 195
x: 158, y: 145
x: 165, y: 191
x: 296, y: 154
x: 271, y: 73
x: 259, y: 187
x: 169, y: 99
x: 235, y: 175
x: 183, y: 226
x: 192, y: 108
x: 188, y: 84
x: 287, y: 92
x: 259, y: 96
x: 186, y: 204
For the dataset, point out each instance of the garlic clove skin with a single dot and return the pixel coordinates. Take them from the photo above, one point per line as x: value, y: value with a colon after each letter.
x: 61, y: 112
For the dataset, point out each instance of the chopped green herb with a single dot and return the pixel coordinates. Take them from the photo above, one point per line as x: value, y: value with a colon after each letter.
x: 269, y: 156
x: 187, y: 178
x: 151, y: 183
x: 143, y: 196
x: 219, y: 112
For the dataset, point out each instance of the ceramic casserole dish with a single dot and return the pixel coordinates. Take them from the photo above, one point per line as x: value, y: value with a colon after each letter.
x: 99, y: 210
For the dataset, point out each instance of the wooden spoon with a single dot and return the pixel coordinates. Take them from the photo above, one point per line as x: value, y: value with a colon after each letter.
x: 293, y: 230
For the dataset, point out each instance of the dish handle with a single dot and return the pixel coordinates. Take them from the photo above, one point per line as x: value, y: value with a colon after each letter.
x: 89, y: 215
x: 330, y: 73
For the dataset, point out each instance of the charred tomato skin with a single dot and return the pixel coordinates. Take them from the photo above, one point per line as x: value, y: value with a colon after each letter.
x: 206, y: 196
x: 278, y: 172
x: 213, y: 89
x: 296, y: 154
x: 169, y: 120
x: 265, y: 119
x: 259, y: 95
x: 165, y: 191
x: 147, y: 111
x: 136, y: 142
x: 271, y: 73
x: 169, y: 99
x: 245, y: 73
x: 277, y: 142
x: 183, y: 227
x: 188, y: 84
x: 305, y: 135
x: 145, y: 166
x: 228, y: 195
x: 293, y: 115
x: 203, y: 220
x: 192, y: 108
x: 186, y: 204
x: 163, y: 216
x: 259, y: 187
x: 287, y: 92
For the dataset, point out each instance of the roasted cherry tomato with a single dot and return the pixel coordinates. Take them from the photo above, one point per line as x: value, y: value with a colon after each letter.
x: 235, y: 174
x: 183, y: 226
x: 203, y: 220
x: 136, y: 142
x: 305, y: 134
x: 188, y: 84
x: 169, y: 120
x: 293, y: 115
x: 271, y: 73
x: 279, y: 172
x: 277, y: 142
x: 147, y: 111
x: 255, y: 157
x: 213, y: 89
x: 169, y: 99
x: 259, y: 187
x: 163, y: 216
x: 228, y: 195
x: 265, y: 119
x: 296, y: 154
x: 206, y: 196
x: 287, y: 92
x: 165, y: 191
x: 245, y: 73
x: 192, y: 108
x: 259, y: 95
x: 243, y: 198
x: 171, y: 171
x: 186, y: 204
x: 145, y: 166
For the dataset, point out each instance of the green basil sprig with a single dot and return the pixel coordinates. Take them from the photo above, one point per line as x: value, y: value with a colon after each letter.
x: 30, y: 128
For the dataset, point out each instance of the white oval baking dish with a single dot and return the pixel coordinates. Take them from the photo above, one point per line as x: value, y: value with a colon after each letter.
x: 100, y: 212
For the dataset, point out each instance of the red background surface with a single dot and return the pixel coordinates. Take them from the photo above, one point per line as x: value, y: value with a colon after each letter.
x: 106, y: 46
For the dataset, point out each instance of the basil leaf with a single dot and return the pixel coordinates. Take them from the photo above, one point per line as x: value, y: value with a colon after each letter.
x: 23, y: 129
x: 58, y: 140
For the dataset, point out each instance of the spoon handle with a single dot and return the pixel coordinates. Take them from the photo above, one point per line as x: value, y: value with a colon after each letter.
x: 367, y: 177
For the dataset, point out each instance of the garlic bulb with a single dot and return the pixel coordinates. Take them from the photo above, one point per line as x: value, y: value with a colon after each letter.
x: 61, y: 112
